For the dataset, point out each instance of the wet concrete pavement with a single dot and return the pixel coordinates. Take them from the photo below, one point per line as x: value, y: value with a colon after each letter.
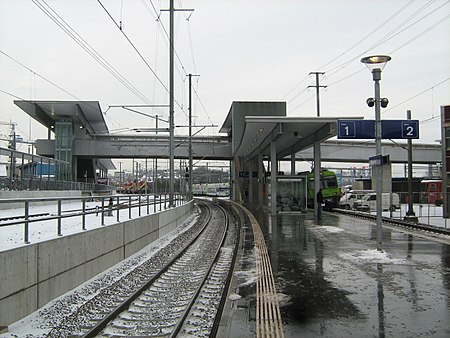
x: 334, y: 283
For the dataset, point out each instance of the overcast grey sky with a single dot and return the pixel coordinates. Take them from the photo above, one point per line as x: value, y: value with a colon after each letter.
x: 242, y: 50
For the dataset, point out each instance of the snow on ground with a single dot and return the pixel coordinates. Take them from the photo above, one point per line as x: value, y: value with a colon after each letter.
x: 234, y: 296
x: 12, y: 236
x: 330, y: 229
x: 249, y: 277
x: 373, y: 256
x: 283, y: 299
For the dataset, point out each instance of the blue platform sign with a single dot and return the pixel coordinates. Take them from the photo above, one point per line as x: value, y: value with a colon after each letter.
x: 390, y: 129
x: 399, y: 129
x: 356, y: 129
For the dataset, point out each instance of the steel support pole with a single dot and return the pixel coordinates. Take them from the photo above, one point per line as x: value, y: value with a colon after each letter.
x: 410, y: 214
x: 190, y: 196
x: 155, y: 191
x: 171, y: 107
x: 376, y: 75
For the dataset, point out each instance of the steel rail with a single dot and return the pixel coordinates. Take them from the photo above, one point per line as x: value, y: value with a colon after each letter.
x: 240, y: 218
x: 205, y: 278
x: 396, y: 222
x: 126, y: 303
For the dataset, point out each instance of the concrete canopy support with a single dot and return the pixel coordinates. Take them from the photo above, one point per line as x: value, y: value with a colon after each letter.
x: 293, y: 164
x: 250, y: 183
x: 260, y: 181
x: 273, y: 177
x: 317, y: 165
x: 237, y: 184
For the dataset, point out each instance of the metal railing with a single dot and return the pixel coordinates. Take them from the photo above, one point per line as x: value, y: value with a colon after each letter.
x: 427, y: 207
x: 64, y: 208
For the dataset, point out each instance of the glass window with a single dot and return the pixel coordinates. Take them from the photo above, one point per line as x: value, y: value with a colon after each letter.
x: 329, y: 182
x: 291, y: 195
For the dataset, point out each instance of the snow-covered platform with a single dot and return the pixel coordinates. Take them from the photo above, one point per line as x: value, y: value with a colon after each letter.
x: 332, y: 281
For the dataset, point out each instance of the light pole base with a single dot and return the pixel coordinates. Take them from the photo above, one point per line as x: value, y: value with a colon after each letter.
x: 411, y: 218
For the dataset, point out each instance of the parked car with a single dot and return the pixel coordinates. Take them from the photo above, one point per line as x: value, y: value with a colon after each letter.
x: 349, y: 198
x: 389, y: 201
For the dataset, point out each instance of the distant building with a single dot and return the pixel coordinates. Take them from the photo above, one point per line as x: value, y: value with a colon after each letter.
x: 445, y: 127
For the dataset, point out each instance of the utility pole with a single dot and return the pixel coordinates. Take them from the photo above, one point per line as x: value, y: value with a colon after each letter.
x: 317, y: 86
x: 171, y: 107
x: 171, y: 101
x: 155, y: 169
x: 317, y: 155
x: 190, y: 137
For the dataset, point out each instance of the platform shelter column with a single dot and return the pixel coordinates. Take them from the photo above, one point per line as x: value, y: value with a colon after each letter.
x: 317, y: 165
x: 260, y: 181
x: 293, y: 164
x: 273, y: 177
x: 250, y: 182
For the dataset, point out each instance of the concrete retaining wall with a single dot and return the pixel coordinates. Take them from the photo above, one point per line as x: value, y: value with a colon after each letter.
x: 33, y: 275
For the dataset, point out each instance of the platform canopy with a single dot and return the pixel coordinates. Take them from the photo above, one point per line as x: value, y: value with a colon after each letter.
x: 84, y: 113
x: 291, y: 134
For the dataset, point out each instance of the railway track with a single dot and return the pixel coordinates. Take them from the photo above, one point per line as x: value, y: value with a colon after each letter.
x: 181, y: 290
x: 397, y: 222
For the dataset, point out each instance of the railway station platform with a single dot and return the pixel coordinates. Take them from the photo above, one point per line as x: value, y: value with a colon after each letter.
x: 332, y: 282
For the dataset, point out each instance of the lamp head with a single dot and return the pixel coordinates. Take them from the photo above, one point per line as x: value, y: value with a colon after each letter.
x: 376, y: 62
x: 370, y: 102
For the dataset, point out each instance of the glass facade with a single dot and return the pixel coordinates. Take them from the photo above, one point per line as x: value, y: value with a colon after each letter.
x: 291, y: 194
x: 63, y: 149
x: 445, y: 125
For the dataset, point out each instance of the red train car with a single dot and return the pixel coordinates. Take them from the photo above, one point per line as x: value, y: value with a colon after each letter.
x: 431, y: 191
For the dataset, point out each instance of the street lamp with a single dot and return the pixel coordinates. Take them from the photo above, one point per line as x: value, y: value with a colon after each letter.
x: 376, y: 64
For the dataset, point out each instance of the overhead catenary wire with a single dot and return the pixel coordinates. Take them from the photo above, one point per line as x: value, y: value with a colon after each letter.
x: 376, y: 29
x: 93, y: 53
x: 39, y: 75
x: 418, y: 94
x: 12, y: 95
x: 133, y: 46
x: 353, y: 46
x: 181, y: 72
x: 304, y: 102
x: 398, y: 48
x: 73, y: 34
x: 140, y: 55
x: 43, y: 78
x: 387, y: 37
x: 392, y: 52
x: 178, y: 57
x: 422, y: 33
